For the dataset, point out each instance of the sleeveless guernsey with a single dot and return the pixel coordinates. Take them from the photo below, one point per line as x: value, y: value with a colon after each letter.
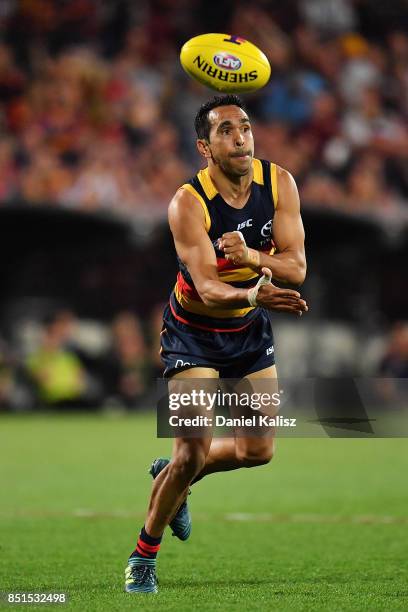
x: 255, y: 221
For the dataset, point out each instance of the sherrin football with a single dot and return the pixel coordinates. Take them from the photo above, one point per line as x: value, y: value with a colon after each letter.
x: 226, y: 63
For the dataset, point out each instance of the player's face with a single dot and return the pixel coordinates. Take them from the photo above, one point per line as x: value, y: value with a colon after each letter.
x: 231, y: 142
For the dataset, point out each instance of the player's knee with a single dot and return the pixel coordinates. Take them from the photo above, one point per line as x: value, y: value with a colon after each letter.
x: 251, y: 457
x: 188, y: 462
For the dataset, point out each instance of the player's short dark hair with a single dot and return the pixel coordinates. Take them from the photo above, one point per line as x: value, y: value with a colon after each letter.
x: 201, y: 122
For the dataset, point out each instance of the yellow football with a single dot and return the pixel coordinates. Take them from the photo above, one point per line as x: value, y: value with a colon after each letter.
x: 225, y: 63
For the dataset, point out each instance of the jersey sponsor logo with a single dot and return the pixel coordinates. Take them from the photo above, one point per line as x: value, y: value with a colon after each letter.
x: 227, y: 61
x: 266, y: 231
x: 180, y: 363
x: 247, y: 223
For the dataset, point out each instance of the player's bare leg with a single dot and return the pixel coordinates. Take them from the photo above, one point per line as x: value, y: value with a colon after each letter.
x: 171, y: 485
x: 193, y: 458
x: 169, y: 491
x: 227, y: 454
x: 222, y: 454
x: 233, y: 453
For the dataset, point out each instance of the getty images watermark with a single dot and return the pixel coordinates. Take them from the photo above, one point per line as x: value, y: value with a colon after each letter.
x: 207, y: 401
x: 221, y: 407
x: 308, y: 407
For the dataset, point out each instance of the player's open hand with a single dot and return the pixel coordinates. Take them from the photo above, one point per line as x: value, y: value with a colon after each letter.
x: 283, y: 300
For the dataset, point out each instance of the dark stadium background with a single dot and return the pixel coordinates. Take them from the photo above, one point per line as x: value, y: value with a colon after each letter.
x: 96, y: 135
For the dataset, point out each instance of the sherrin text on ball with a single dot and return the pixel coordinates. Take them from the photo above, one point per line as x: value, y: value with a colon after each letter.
x: 226, y: 63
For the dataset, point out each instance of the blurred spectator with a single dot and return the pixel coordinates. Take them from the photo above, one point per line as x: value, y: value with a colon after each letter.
x: 101, y: 182
x: 155, y: 330
x: 367, y: 187
x: 12, y: 79
x: 59, y: 376
x: 370, y: 125
x: 6, y: 384
x: 394, y: 363
x: 323, y: 123
x: 363, y: 68
x: 128, y: 370
x: 329, y: 16
x: 321, y: 189
x: 8, y: 170
x: 393, y: 368
x: 15, y: 391
x: 44, y: 179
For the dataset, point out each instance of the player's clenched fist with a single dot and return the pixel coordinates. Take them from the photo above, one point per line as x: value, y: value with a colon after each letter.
x: 268, y: 296
x: 234, y: 246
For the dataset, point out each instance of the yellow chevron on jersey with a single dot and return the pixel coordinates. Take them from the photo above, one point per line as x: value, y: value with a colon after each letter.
x: 274, y: 183
x: 206, y: 183
x: 195, y: 193
x: 237, y: 274
x: 198, y: 307
x: 258, y: 171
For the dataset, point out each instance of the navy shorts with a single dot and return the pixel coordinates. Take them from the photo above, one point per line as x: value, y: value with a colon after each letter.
x: 233, y: 354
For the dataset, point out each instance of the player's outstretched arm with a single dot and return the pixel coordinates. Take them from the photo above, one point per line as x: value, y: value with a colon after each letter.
x: 289, y: 262
x: 187, y: 223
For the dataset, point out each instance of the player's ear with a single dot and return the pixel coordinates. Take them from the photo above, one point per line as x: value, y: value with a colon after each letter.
x: 203, y: 148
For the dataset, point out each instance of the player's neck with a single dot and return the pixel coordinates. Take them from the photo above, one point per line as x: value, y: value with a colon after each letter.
x: 235, y: 190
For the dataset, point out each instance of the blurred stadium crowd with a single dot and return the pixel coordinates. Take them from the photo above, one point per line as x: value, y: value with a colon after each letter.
x: 68, y: 363
x: 65, y: 362
x: 96, y: 114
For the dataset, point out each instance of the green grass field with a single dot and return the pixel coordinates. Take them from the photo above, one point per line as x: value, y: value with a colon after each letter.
x: 323, y: 527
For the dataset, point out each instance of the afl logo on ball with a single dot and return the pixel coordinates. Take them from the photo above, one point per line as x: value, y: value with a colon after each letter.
x: 227, y: 61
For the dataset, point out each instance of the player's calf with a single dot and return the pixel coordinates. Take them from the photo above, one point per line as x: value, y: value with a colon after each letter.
x: 252, y: 454
x: 187, y: 462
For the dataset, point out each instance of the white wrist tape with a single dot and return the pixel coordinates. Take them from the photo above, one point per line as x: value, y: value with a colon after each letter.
x: 253, y: 292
